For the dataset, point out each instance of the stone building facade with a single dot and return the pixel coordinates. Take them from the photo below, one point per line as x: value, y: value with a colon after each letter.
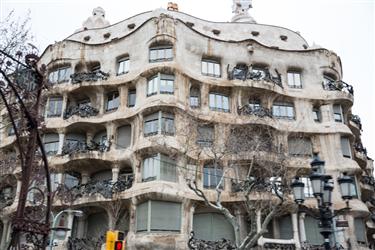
x: 130, y: 102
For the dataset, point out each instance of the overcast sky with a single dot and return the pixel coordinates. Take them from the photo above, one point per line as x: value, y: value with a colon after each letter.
x: 344, y: 26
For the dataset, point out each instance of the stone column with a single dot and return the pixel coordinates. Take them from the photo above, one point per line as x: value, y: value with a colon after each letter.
x: 123, y: 95
x: 241, y: 222
x: 110, y: 127
x: 4, y: 233
x: 65, y: 103
x: 81, y: 227
x: 69, y: 225
x: 85, y: 178
x: 18, y: 190
x: 100, y: 101
x: 302, y: 230
x: 295, y: 231
x: 61, y: 142
x: 115, y: 172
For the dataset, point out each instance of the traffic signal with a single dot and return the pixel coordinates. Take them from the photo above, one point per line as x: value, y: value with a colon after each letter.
x: 119, y: 245
x: 115, y: 240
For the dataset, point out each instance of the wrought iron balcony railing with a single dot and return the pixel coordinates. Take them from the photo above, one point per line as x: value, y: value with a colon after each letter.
x: 368, y: 180
x: 89, y: 76
x: 85, y: 243
x: 82, y: 147
x: 199, y: 244
x: 281, y: 246
x: 243, y: 72
x: 8, y: 163
x: 82, y: 110
x: 105, y: 188
x: 360, y: 148
x: 338, y: 86
x: 258, y: 111
x: 357, y: 120
x: 5, y: 200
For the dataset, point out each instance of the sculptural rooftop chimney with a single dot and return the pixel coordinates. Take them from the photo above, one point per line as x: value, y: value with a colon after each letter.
x: 240, y: 9
x: 97, y: 20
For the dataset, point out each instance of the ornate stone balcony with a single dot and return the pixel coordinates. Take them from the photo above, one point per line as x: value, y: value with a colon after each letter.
x: 198, y: 244
x: 244, y: 72
x: 88, y: 76
x: 338, y: 86
x: 83, y: 110
x: 258, y: 111
x: 105, y: 188
x: 72, y: 147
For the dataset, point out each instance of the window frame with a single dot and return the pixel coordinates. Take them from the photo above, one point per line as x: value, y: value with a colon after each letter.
x: 149, y: 213
x: 316, y: 112
x: 338, y: 113
x: 294, y: 81
x: 156, y: 84
x: 216, y: 66
x: 125, y: 61
x: 167, y: 52
x: 56, y: 106
x: 212, y: 177
x: 284, y: 105
x: 163, y: 118
x: 112, y: 98
x: 348, y: 144
x: 58, y: 78
x: 194, y: 98
x: 216, y: 101
x: 155, y: 165
x: 131, y: 93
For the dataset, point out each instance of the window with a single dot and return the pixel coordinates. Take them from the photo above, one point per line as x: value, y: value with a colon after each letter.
x: 212, y: 227
x: 55, y: 106
x: 312, y: 231
x: 212, y: 176
x: 283, y: 110
x: 308, y: 188
x: 299, y: 146
x: 159, y: 167
x: 59, y: 75
x: 211, y: 68
x: 219, y: 102
x: 113, y: 101
x: 123, y: 137
x: 158, y: 216
x: 360, y: 231
x: 161, y: 53
x: 294, y: 80
x: 337, y: 113
x: 101, y: 138
x: 328, y: 79
x: 205, y: 137
x: 345, y: 147
x: 131, y: 98
x: 159, y: 123
x: 51, y: 143
x: 317, y: 116
x: 194, y: 97
x: 285, y: 227
x: 123, y: 66
x: 160, y: 84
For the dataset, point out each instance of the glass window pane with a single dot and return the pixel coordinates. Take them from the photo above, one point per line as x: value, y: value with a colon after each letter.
x: 131, y: 98
x: 345, y: 147
x: 210, y: 66
x: 142, y: 216
x: 168, y: 53
x: 153, y: 55
x: 217, y: 69
x: 165, y: 216
x: 225, y: 103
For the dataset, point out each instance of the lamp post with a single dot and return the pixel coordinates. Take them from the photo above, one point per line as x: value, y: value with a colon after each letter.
x: 322, y: 187
x: 77, y: 213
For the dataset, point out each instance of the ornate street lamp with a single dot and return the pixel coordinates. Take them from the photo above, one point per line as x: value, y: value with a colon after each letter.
x: 298, y: 190
x: 346, y: 183
x: 322, y: 186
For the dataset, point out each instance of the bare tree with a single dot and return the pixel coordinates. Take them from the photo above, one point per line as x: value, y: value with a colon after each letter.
x: 257, y: 155
x: 21, y: 84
